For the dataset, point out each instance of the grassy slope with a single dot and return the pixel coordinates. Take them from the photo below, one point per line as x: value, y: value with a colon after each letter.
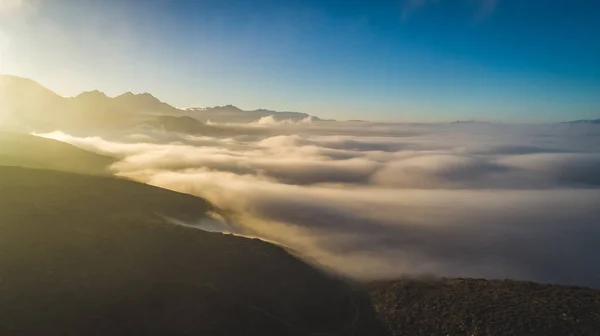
x: 483, y: 307
x: 17, y: 149
x: 86, y: 255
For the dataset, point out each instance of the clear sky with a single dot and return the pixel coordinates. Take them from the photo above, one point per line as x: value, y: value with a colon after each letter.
x: 413, y: 60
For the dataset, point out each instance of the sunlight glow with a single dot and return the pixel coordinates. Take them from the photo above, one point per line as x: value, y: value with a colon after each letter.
x: 4, y: 50
x: 7, y: 6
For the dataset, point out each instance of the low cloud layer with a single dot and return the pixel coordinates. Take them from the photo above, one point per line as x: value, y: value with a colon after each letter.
x: 375, y: 201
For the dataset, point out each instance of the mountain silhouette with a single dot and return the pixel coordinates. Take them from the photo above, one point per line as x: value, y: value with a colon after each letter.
x: 233, y: 114
x: 25, y: 104
x: 144, y: 102
x: 23, y: 101
x: 585, y: 121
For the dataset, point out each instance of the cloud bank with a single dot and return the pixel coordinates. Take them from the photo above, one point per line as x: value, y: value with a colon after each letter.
x: 375, y: 201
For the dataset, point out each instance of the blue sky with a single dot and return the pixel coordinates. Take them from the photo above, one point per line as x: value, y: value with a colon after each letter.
x: 413, y: 60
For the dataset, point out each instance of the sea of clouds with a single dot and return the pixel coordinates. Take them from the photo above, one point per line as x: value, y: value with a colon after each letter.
x: 378, y: 201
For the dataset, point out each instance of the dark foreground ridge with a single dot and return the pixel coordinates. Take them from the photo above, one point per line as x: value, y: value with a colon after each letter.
x: 485, y: 307
x: 86, y: 255
x: 90, y: 255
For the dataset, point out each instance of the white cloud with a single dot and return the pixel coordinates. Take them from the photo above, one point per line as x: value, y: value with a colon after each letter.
x: 272, y: 121
x: 384, y: 200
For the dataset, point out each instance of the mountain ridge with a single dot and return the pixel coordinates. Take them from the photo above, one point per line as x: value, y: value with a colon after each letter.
x: 585, y: 121
x: 30, y: 103
x: 232, y: 113
x: 114, y: 110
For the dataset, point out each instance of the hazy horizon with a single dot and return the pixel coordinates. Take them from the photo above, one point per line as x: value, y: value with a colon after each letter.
x: 401, y: 61
x: 266, y: 119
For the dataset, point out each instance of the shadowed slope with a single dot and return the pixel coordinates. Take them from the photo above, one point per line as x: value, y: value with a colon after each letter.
x: 25, y: 150
x: 87, y: 255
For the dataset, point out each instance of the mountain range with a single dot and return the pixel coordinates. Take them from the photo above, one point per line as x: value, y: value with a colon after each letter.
x: 230, y: 113
x: 25, y: 102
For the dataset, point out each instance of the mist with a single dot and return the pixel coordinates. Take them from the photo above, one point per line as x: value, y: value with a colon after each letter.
x: 378, y: 201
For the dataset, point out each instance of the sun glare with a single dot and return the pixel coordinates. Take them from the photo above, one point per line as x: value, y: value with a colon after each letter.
x: 4, y: 44
x: 10, y: 5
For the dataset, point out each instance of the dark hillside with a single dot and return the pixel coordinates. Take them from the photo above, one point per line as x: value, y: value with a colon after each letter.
x: 18, y: 149
x: 85, y: 255
x: 486, y: 307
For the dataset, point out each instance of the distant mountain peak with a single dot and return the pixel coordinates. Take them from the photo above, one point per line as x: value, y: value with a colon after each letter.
x: 232, y: 113
x: 144, y: 102
x: 144, y: 95
x: 585, y: 121
x: 6, y: 77
x: 470, y: 122
x: 94, y: 93
x: 11, y: 83
x: 126, y: 94
x: 23, y: 99
x: 32, y: 101
x: 264, y: 110
x: 227, y: 107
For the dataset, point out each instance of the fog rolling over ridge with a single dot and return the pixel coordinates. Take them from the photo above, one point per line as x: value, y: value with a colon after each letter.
x: 376, y: 201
